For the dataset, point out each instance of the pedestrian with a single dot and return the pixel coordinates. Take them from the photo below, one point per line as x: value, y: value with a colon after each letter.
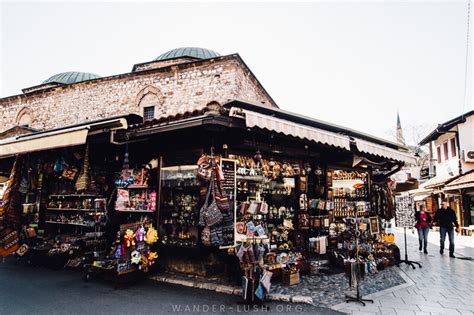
x: 446, y: 218
x: 423, y: 222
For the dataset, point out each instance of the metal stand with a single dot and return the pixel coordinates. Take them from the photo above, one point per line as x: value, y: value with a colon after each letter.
x: 406, y: 261
x: 358, y: 297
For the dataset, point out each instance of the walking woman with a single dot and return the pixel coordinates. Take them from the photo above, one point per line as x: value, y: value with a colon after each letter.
x: 423, y: 221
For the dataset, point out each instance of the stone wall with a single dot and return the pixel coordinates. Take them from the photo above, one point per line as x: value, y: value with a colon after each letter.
x: 179, y: 89
x: 162, y: 63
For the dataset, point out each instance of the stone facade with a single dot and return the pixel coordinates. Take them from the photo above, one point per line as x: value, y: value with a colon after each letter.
x: 162, y: 63
x: 176, y: 89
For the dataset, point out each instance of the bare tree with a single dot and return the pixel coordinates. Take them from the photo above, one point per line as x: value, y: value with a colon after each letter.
x: 413, y: 133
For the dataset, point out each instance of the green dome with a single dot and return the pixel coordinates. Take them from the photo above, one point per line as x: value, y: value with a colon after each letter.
x: 71, y: 77
x: 196, y: 52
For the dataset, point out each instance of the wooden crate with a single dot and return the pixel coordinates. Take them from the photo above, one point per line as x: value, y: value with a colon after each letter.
x: 290, y: 278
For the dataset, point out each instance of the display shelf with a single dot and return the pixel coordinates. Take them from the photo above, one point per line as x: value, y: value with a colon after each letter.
x: 349, y: 199
x: 180, y: 224
x: 178, y: 246
x: 257, y: 178
x: 74, y: 196
x: 136, y: 187
x: 73, y: 224
x: 76, y: 210
x: 135, y: 211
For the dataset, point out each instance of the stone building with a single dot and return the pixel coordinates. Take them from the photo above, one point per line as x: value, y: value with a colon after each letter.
x: 179, y: 82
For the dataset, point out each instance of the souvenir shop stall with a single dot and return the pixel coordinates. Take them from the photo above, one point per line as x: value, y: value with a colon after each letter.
x: 82, y: 206
x: 67, y: 207
x: 55, y: 207
x: 291, y: 201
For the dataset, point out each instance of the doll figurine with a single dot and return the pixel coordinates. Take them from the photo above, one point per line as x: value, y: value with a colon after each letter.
x: 129, y: 238
x: 151, y: 236
x: 152, y: 256
x: 118, y: 252
x: 135, y: 257
x: 140, y: 234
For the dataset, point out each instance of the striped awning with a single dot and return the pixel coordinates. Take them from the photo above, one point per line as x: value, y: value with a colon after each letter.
x: 261, y: 121
x: 383, y: 151
x: 60, y: 139
x: 57, y: 138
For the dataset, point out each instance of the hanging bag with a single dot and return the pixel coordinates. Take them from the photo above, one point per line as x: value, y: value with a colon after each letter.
x: 210, y: 213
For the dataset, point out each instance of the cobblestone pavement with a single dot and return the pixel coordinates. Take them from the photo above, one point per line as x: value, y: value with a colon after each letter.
x: 443, y: 286
x: 330, y: 289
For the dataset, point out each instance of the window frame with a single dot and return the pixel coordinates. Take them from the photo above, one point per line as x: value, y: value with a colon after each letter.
x: 438, y: 152
x: 145, y: 108
x: 446, y: 150
x: 452, y: 143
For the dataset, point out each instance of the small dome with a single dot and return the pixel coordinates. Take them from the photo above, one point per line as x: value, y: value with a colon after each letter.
x: 196, y: 52
x: 71, y: 77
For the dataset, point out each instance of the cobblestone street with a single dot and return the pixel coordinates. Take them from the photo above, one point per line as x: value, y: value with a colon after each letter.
x: 443, y: 286
x: 329, y: 289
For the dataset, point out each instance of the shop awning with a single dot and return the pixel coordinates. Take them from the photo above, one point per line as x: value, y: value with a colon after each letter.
x: 420, y: 197
x: 382, y: 151
x: 463, y: 182
x: 437, y: 181
x: 257, y: 120
x: 58, y: 138
x: 46, y: 141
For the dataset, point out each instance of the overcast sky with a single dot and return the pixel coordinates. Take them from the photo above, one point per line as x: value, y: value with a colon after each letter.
x: 350, y: 63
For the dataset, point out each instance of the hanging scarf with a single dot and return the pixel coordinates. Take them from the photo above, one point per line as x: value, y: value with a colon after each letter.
x: 11, y: 198
x: 10, y: 211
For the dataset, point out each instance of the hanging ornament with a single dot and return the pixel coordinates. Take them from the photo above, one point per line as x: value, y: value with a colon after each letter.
x: 83, y: 180
x: 257, y: 156
x: 271, y: 163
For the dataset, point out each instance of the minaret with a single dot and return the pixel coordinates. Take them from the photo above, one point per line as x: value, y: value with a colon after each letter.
x: 400, y: 139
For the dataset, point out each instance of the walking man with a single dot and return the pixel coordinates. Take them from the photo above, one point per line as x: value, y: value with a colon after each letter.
x: 446, y: 218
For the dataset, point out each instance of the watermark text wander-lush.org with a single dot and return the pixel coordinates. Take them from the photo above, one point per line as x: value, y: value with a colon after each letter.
x: 221, y: 308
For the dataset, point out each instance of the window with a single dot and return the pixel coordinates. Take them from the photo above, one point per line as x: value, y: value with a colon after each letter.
x: 24, y: 117
x: 150, y: 103
x: 438, y: 152
x: 453, y: 147
x: 148, y: 113
x: 446, y: 154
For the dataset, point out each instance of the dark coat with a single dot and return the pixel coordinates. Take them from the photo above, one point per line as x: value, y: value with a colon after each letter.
x: 446, y: 218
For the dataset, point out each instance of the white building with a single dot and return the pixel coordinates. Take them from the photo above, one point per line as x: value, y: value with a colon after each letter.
x: 451, y: 147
